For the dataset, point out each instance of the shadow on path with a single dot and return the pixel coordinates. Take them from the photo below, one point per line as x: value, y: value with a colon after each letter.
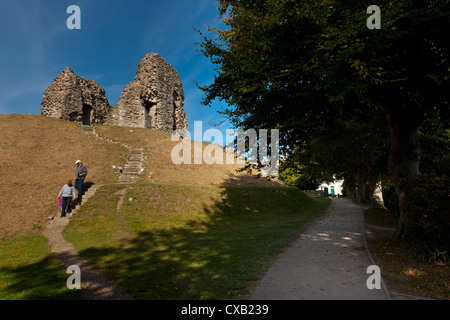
x: 328, y: 262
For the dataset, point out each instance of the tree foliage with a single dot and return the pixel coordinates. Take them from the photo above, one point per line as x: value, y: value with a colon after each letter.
x: 299, y: 175
x: 334, y: 88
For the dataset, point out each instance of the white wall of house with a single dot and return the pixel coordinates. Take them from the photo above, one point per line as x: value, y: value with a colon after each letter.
x: 336, y: 185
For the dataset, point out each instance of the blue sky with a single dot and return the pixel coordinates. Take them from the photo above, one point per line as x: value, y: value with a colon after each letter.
x: 115, y: 35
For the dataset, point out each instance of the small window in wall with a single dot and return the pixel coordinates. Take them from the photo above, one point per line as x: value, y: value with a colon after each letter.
x: 174, y: 117
x: 150, y: 113
x: 87, y: 115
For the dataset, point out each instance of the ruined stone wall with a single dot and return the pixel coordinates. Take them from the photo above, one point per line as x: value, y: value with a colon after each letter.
x: 73, y: 98
x: 155, y: 99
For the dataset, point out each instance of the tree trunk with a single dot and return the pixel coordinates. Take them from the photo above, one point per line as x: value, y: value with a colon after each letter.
x: 404, y: 161
x: 376, y: 196
x: 360, y: 189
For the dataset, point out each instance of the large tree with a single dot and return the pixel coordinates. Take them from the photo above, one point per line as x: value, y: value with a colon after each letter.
x: 305, y: 66
x: 402, y: 70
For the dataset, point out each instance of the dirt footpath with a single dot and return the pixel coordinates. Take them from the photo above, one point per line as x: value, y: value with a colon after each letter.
x: 329, y: 261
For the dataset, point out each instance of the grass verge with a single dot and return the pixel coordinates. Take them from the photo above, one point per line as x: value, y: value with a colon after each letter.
x: 28, y: 271
x: 189, y: 242
x: 402, y: 267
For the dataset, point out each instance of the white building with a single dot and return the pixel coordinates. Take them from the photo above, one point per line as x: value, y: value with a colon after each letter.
x: 334, y: 188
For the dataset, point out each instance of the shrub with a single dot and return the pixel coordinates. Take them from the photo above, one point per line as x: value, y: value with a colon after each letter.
x: 295, y: 175
x: 428, y: 219
x: 390, y: 199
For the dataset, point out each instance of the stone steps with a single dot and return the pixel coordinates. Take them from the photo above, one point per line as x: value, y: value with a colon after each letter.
x: 94, y: 284
x: 133, y: 168
x: 89, y: 129
x: 130, y: 172
x: 56, y: 221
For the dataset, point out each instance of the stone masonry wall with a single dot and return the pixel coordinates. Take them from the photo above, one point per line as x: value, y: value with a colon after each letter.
x: 155, y: 99
x: 73, y: 98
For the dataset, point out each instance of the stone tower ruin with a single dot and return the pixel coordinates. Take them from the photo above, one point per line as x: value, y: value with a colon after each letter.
x: 155, y: 99
x: 73, y: 98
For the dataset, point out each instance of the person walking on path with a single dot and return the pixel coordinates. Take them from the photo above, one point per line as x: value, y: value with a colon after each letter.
x: 81, y: 174
x: 68, y: 193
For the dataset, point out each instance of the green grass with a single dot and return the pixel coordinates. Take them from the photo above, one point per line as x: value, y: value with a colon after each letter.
x: 189, y: 242
x: 29, y: 271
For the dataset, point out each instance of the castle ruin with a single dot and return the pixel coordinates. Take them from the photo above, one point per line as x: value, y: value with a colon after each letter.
x: 155, y: 99
x: 73, y: 98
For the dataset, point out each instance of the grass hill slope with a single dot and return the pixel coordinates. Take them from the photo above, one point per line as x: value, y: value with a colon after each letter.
x: 183, y: 231
x: 38, y: 156
x: 158, y: 147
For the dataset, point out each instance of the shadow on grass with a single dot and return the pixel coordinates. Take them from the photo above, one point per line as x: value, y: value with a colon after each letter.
x: 171, y: 265
x: 42, y: 280
x: 214, y: 258
x: 217, y: 256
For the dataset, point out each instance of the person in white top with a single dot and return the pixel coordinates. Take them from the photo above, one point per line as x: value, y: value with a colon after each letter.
x: 68, y: 193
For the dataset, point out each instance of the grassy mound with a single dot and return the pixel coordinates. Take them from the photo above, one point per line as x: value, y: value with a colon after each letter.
x: 189, y: 242
x: 185, y: 231
x: 38, y: 156
x: 158, y: 147
x: 29, y: 271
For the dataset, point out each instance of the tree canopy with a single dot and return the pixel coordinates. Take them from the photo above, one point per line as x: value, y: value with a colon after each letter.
x: 315, y: 71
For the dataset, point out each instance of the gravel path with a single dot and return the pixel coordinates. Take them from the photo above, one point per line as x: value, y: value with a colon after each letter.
x: 329, y: 261
x: 95, y: 285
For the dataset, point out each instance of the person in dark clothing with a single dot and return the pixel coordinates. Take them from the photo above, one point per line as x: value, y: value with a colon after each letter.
x: 81, y: 174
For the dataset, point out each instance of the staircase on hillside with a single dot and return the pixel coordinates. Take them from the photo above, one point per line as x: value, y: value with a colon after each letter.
x: 96, y: 285
x: 133, y: 168
x: 89, y: 129
x: 58, y: 222
x: 130, y: 172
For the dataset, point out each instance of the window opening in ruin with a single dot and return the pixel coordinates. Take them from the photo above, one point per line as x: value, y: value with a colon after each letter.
x: 87, y: 114
x: 150, y: 113
x: 174, y: 115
